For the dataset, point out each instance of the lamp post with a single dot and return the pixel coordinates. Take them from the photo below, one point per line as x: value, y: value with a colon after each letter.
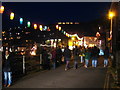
x: 111, y: 15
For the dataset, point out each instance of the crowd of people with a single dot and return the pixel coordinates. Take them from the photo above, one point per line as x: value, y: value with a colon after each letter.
x: 51, y: 56
x: 54, y: 56
x: 85, y: 55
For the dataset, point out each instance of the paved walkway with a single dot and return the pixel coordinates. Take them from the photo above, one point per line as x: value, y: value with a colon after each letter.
x: 80, y: 78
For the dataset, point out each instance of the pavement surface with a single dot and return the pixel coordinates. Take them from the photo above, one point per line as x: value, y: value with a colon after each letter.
x: 59, y: 78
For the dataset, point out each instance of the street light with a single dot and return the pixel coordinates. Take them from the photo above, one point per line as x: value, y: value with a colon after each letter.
x: 111, y: 15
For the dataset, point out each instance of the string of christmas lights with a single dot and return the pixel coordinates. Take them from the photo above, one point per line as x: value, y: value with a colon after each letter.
x: 67, y: 34
x: 36, y: 26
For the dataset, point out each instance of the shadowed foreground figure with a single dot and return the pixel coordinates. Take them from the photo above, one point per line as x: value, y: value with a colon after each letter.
x: 76, y: 56
x: 106, y: 56
x: 7, y: 69
x: 95, y: 55
x: 67, y: 56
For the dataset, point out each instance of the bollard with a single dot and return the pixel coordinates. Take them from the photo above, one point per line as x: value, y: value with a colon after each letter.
x: 23, y: 64
x: 40, y: 61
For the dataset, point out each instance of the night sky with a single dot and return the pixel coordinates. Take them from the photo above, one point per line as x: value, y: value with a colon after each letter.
x: 53, y: 12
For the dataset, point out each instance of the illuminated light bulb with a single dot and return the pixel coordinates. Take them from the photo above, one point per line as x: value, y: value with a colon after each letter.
x: 73, y: 38
x: 68, y: 35
x: 57, y: 26
x: 1, y: 9
x: 40, y: 27
x: 45, y: 28
x: 21, y: 20
x: 35, y: 26
x: 71, y: 22
x: 28, y: 24
x: 67, y: 22
x: 64, y: 32
x: 111, y: 14
x: 48, y: 29
x: 59, y: 23
x: 12, y: 16
x: 63, y: 22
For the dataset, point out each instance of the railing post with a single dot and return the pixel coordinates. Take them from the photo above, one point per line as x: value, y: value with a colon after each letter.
x: 40, y: 61
x: 23, y: 64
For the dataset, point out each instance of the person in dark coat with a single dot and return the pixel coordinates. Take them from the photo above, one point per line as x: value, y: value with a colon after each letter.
x: 76, y: 53
x: 106, y: 56
x: 45, y: 58
x: 7, y: 69
x: 95, y: 55
x: 87, y: 57
x: 53, y: 52
x: 67, y: 56
x: 59, y: 55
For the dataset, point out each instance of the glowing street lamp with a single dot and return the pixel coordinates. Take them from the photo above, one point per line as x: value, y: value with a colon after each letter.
x: 11, y: 15
x: 1, y: 9
x: 111, y: 15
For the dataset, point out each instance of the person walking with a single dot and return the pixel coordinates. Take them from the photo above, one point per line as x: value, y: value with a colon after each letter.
x: 54, y: 61
x: 95, y: 54
x: 76, y: 56
x: 87, y: 57
x: 45, y: 58
x: 7, y: 69
x: 67, y: 56
x: 59, y: 55
x: 82, y: 51
x: 106, y: 56
x: 49, y: 59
